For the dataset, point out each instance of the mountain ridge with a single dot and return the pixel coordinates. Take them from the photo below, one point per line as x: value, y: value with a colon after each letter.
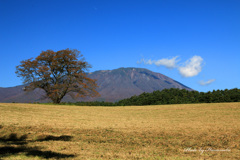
x: 113, y: 85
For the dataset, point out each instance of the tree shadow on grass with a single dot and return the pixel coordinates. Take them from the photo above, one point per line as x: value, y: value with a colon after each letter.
x: 13, y: 144
x: 55, y: 138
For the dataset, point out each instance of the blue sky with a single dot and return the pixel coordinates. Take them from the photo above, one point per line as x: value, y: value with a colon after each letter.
x: 196, y: 42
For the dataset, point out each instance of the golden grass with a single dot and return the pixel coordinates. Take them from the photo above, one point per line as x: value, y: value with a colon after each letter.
x: 187, y: 131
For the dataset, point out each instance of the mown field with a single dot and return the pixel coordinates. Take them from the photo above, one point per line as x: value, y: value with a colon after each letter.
x: 177, y: 132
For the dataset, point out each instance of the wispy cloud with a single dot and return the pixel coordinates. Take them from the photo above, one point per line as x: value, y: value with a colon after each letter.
x: 192, y: 67
x: 203, y: 83
x: 168, y: 63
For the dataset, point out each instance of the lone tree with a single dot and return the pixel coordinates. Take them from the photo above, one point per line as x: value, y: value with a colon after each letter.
x: 58, y: 73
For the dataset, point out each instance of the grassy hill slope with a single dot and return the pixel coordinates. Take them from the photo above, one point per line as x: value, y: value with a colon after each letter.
x: 193, y: 131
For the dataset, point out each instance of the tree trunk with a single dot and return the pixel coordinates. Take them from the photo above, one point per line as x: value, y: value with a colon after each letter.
x: 56, y: 101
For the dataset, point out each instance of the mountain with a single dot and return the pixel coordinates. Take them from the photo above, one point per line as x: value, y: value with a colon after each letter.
x: 113, y: 85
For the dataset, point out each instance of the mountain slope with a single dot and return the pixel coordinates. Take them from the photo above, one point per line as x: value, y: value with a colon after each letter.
x: 113, y: 85
x: 126, y: 82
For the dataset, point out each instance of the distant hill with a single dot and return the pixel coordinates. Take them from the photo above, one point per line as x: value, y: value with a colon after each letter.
x: 113, y: 85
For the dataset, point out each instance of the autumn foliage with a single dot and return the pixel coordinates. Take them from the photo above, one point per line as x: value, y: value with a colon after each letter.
x: 58, y: 73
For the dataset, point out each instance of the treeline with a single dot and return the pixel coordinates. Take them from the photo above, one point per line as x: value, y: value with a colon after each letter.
x: 178, y: 96
x: 93, y: 103
x: 170, y: 96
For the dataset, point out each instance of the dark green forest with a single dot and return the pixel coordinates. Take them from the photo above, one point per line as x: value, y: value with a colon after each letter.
x: 172, y: 96
x: 178, y: 96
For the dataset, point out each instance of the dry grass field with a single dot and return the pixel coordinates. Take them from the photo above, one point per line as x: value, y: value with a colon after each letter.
x: 174, y: 132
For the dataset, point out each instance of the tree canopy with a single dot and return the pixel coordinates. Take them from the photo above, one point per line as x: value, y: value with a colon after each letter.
x: 58, y: 73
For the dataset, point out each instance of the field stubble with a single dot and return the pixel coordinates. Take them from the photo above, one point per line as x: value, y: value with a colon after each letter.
x: 192, y: 131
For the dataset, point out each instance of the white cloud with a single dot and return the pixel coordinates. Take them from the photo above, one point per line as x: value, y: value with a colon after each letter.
x: 202, y: 83
x: 169, y: 63
x: 192, y: 67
